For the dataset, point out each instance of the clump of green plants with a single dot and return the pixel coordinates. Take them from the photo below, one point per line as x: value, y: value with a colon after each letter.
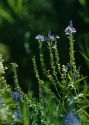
x: 11, y: 100
x: 67, y: 89
x: 63, y: 94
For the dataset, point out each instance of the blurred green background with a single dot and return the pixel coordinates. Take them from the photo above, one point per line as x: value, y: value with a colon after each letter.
x: 22, y: 20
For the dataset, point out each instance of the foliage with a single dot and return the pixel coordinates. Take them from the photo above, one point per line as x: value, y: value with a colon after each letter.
x: 84, y: 10
x: 85, y: 51
x: 18, y: 18
x: 63, y: 94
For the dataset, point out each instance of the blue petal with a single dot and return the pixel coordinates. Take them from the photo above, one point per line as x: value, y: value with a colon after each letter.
x: 71, y: 119
x: 70, y: 29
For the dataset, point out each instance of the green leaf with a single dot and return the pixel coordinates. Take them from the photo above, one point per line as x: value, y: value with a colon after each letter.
x: 84, y: 56
x: 82, y: 2
x: 6, y: 15
x: 79, y: 80
x: 19, y: 5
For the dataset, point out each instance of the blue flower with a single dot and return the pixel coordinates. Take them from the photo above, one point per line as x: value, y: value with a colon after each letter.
x: 70, y: 29
x: 68, y: 65
x: 50, y: 37
x: 45, y: 38
x: 18, y: 115
x: 40, y: 38
x: 71, y: 119
x: 1, y: 102
x: 17, y: 96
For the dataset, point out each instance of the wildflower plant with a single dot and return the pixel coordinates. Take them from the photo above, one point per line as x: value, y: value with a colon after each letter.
x: 5, y: 92
x: 66, y: 87
x: 11, y: 101
x: 63, y: 93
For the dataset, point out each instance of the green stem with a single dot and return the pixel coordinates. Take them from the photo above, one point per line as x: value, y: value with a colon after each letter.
x: 71, y: 52
x: 52, y: 62
x: 17, y: 87
x: 41, y: 82
x: 25, y: 107
x: 57, y: 59
x: 53, y: 68
x: 42, y: 59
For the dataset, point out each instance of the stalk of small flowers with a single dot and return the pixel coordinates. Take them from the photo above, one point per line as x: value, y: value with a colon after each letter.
x: 4, y: 88
x: 57, y: 59
x: 50, y: 38
x: 69, y: 31
x: 2, y: 70
x: 52, y: 45
x: 71, y: 52
x: 52, y: 59
x: 41, y: 82
x: 40, y: 39
x: 43, y: 66
x: 35, y: 68
x: 70, y: 117
x: 64, y: 72
x: 18, y: 96
x: 14, y: 68
x: 53, y: 67
x: 52, y: 63
x: 42, y: 58
x: 2, y: 83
